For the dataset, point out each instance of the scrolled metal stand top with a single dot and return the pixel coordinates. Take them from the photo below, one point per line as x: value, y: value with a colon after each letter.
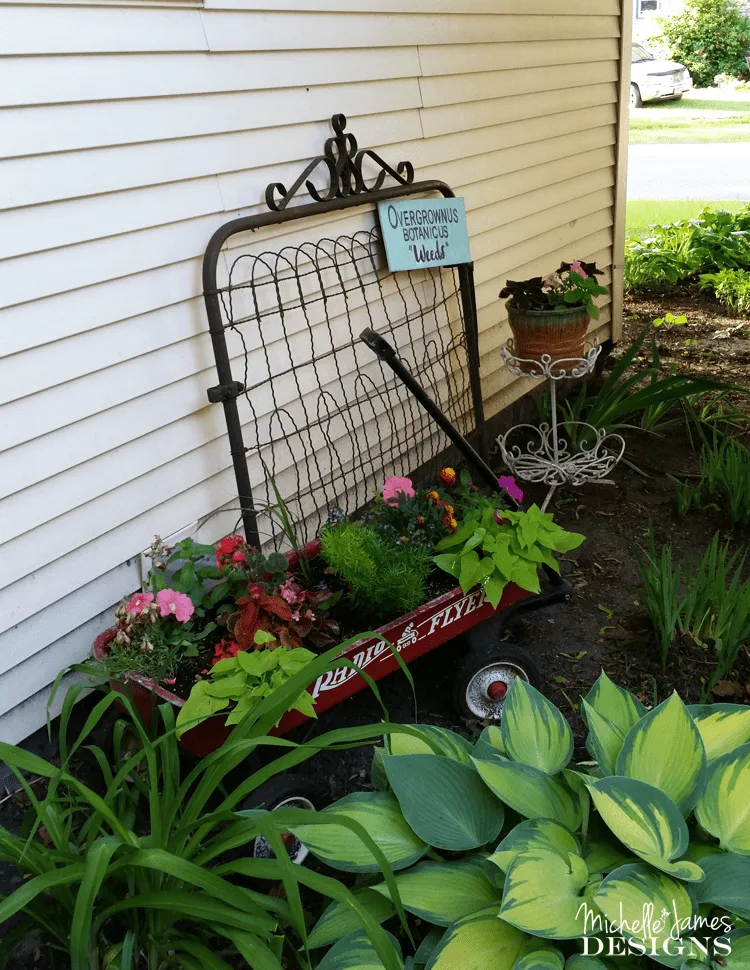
x: 548, y: 369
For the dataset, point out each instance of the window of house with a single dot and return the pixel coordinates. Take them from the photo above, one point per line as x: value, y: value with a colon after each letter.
x: 647, y: 7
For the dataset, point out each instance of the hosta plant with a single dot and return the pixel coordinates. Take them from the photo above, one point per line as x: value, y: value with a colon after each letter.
x: 510, y: 856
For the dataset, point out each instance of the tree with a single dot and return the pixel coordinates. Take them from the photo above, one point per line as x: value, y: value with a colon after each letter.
x: 709, y: 37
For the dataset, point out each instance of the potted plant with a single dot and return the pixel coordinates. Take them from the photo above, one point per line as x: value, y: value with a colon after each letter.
x: 550, y: 314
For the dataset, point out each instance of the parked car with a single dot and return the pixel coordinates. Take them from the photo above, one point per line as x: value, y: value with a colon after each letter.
x: 653, y: 79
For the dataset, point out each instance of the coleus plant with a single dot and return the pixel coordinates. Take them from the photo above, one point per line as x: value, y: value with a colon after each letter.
x: 493, y: 547
x: 641, y: 856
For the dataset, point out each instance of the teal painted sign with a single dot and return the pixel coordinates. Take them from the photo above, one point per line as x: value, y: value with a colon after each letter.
x: 420, y: 233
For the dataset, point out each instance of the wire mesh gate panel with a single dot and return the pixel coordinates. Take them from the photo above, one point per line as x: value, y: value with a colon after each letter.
x: 309, y: 407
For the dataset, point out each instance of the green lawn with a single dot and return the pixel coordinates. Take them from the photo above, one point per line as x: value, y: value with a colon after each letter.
x: 703, y: 115
x: 642, y: 213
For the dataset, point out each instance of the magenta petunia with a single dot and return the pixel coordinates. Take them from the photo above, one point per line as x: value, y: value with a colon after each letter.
x: 508, y: 482
x: 172, y: 603
x: 139, y: 602
x: 577, y: 267
x: 395, y: 489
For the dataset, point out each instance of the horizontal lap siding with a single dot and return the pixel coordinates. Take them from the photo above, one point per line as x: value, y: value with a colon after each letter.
x: 140, y: 131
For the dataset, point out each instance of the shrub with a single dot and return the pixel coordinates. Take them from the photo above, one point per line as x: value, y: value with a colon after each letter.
x: 710, y: 602
x: 658, y: 822
x: 709, y: 37
x: 387, y: 579
x: 731, y: 287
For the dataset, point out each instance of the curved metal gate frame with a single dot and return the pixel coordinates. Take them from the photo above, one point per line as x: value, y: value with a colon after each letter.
x: 342, y: 162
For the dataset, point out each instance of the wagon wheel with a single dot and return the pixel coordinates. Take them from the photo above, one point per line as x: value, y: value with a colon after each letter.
x: 486, y: 675
x: 284, y: 791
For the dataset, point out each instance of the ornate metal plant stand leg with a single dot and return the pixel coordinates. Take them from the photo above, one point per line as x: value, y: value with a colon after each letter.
x: 559, y: 453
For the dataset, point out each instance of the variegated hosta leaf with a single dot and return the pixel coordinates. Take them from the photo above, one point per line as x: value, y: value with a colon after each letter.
x: 605, y: 739
x: 616, y: 704
x: 579, y: 961
x: 543, y: 893
x: 724, y: 809
x: 428, y: 945
x: 727, y: 883
x: 544, y: 958
x: 489, y: 743
x: 665, y: 750
x: 444, y: 801
x: 380, y: 815
x: 646, y: 821
x: 445, y: 892
x: 533, y: 731
x: 604, y: 857
x: 631, y: 892
x: 479, y: 942
x: 530, y: 792
x: 723, y: 727
x: 531, y: 834
x: 739, y: 958
x: 356, y: 952
x: 448, y: 743
x: 339, y: 919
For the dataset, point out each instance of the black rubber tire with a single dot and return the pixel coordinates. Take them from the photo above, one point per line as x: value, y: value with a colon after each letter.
x: 482, y: 657
x: 273, y: 794
x: 636, y: 101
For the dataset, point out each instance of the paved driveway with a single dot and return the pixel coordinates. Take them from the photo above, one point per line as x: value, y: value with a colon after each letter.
x: 704, y: 172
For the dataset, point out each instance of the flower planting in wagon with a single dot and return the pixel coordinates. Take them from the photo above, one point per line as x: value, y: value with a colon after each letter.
x: 218, y: 629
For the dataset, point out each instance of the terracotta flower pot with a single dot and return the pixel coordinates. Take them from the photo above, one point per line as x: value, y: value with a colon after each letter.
x: 559, y: 333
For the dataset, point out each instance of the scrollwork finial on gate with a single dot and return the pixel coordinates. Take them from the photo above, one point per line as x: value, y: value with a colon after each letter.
x: 342, y: 158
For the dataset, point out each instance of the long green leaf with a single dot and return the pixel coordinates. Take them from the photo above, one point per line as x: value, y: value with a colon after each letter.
x: 95, y: 871
x: 30, y: 889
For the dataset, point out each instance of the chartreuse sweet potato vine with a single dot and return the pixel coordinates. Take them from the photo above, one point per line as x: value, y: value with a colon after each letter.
x: 493, y: 548
x: 644, y: 851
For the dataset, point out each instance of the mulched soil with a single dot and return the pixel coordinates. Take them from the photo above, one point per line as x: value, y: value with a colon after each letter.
x: 604, y: 626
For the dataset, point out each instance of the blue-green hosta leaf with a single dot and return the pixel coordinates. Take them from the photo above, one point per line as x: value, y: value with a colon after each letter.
x: 381, y: 816
x: 533, y: 731
x: 445, y: 892
x: 444, y: 801
x: 339, y: 920
x: 579, y: 961
x: 739, y: 958
x: 646, y: 821
x: 530, y: 792
x: 615, y: 703
x: 632, y: 891
x: 724, y: 808
x: 604, y: 857
x: 723, y: 727
x: 727, y: 883
x: 665, y: 750
x: 542, y: 958
x: 489, y: 743
x: 448, y: 743
x: 356, y: 952
x: 605, y: 739
x: 479, y: 942
x: 531, y: 834
x: 428, y: 945
x: 543, y: 894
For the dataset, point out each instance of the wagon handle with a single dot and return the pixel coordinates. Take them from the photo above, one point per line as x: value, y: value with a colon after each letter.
x: 380, y: 346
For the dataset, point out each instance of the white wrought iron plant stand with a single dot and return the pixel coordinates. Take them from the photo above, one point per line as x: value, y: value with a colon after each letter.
x: 546, y: 454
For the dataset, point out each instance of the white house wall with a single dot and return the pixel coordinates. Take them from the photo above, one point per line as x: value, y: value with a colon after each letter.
x: 143, y: 127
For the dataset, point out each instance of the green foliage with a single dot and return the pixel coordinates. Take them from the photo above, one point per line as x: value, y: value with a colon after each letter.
x: 244, y: 680
x: 137, y: 868
x: 714, y: 241
x: 731, y: 287
x: 492, y: 549
x: 655, y: 824
x: 724, y: 480
x: 709, y: 37
x: 710, y: 601
x: 386, y: 578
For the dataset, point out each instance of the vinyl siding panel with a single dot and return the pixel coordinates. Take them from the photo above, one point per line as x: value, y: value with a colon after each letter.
x: 139, y: 131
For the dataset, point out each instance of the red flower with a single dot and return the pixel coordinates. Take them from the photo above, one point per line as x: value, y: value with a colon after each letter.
x: 447, y: 476
x: 238, y: 557
x: 225, y: 649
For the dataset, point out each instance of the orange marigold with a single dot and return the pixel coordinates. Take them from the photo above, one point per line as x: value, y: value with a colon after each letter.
x: 432, y: 496
x: 447, y: 476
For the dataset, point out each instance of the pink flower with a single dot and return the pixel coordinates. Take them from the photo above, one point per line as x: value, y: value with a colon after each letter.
x: 170, y: 680
x: 238, y: 557
x: 577, y: 267
x: 291, y: 592
x: 508, y: 482
x: 172, y: 603
x: 139, y: 602
x: 395, y: 489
